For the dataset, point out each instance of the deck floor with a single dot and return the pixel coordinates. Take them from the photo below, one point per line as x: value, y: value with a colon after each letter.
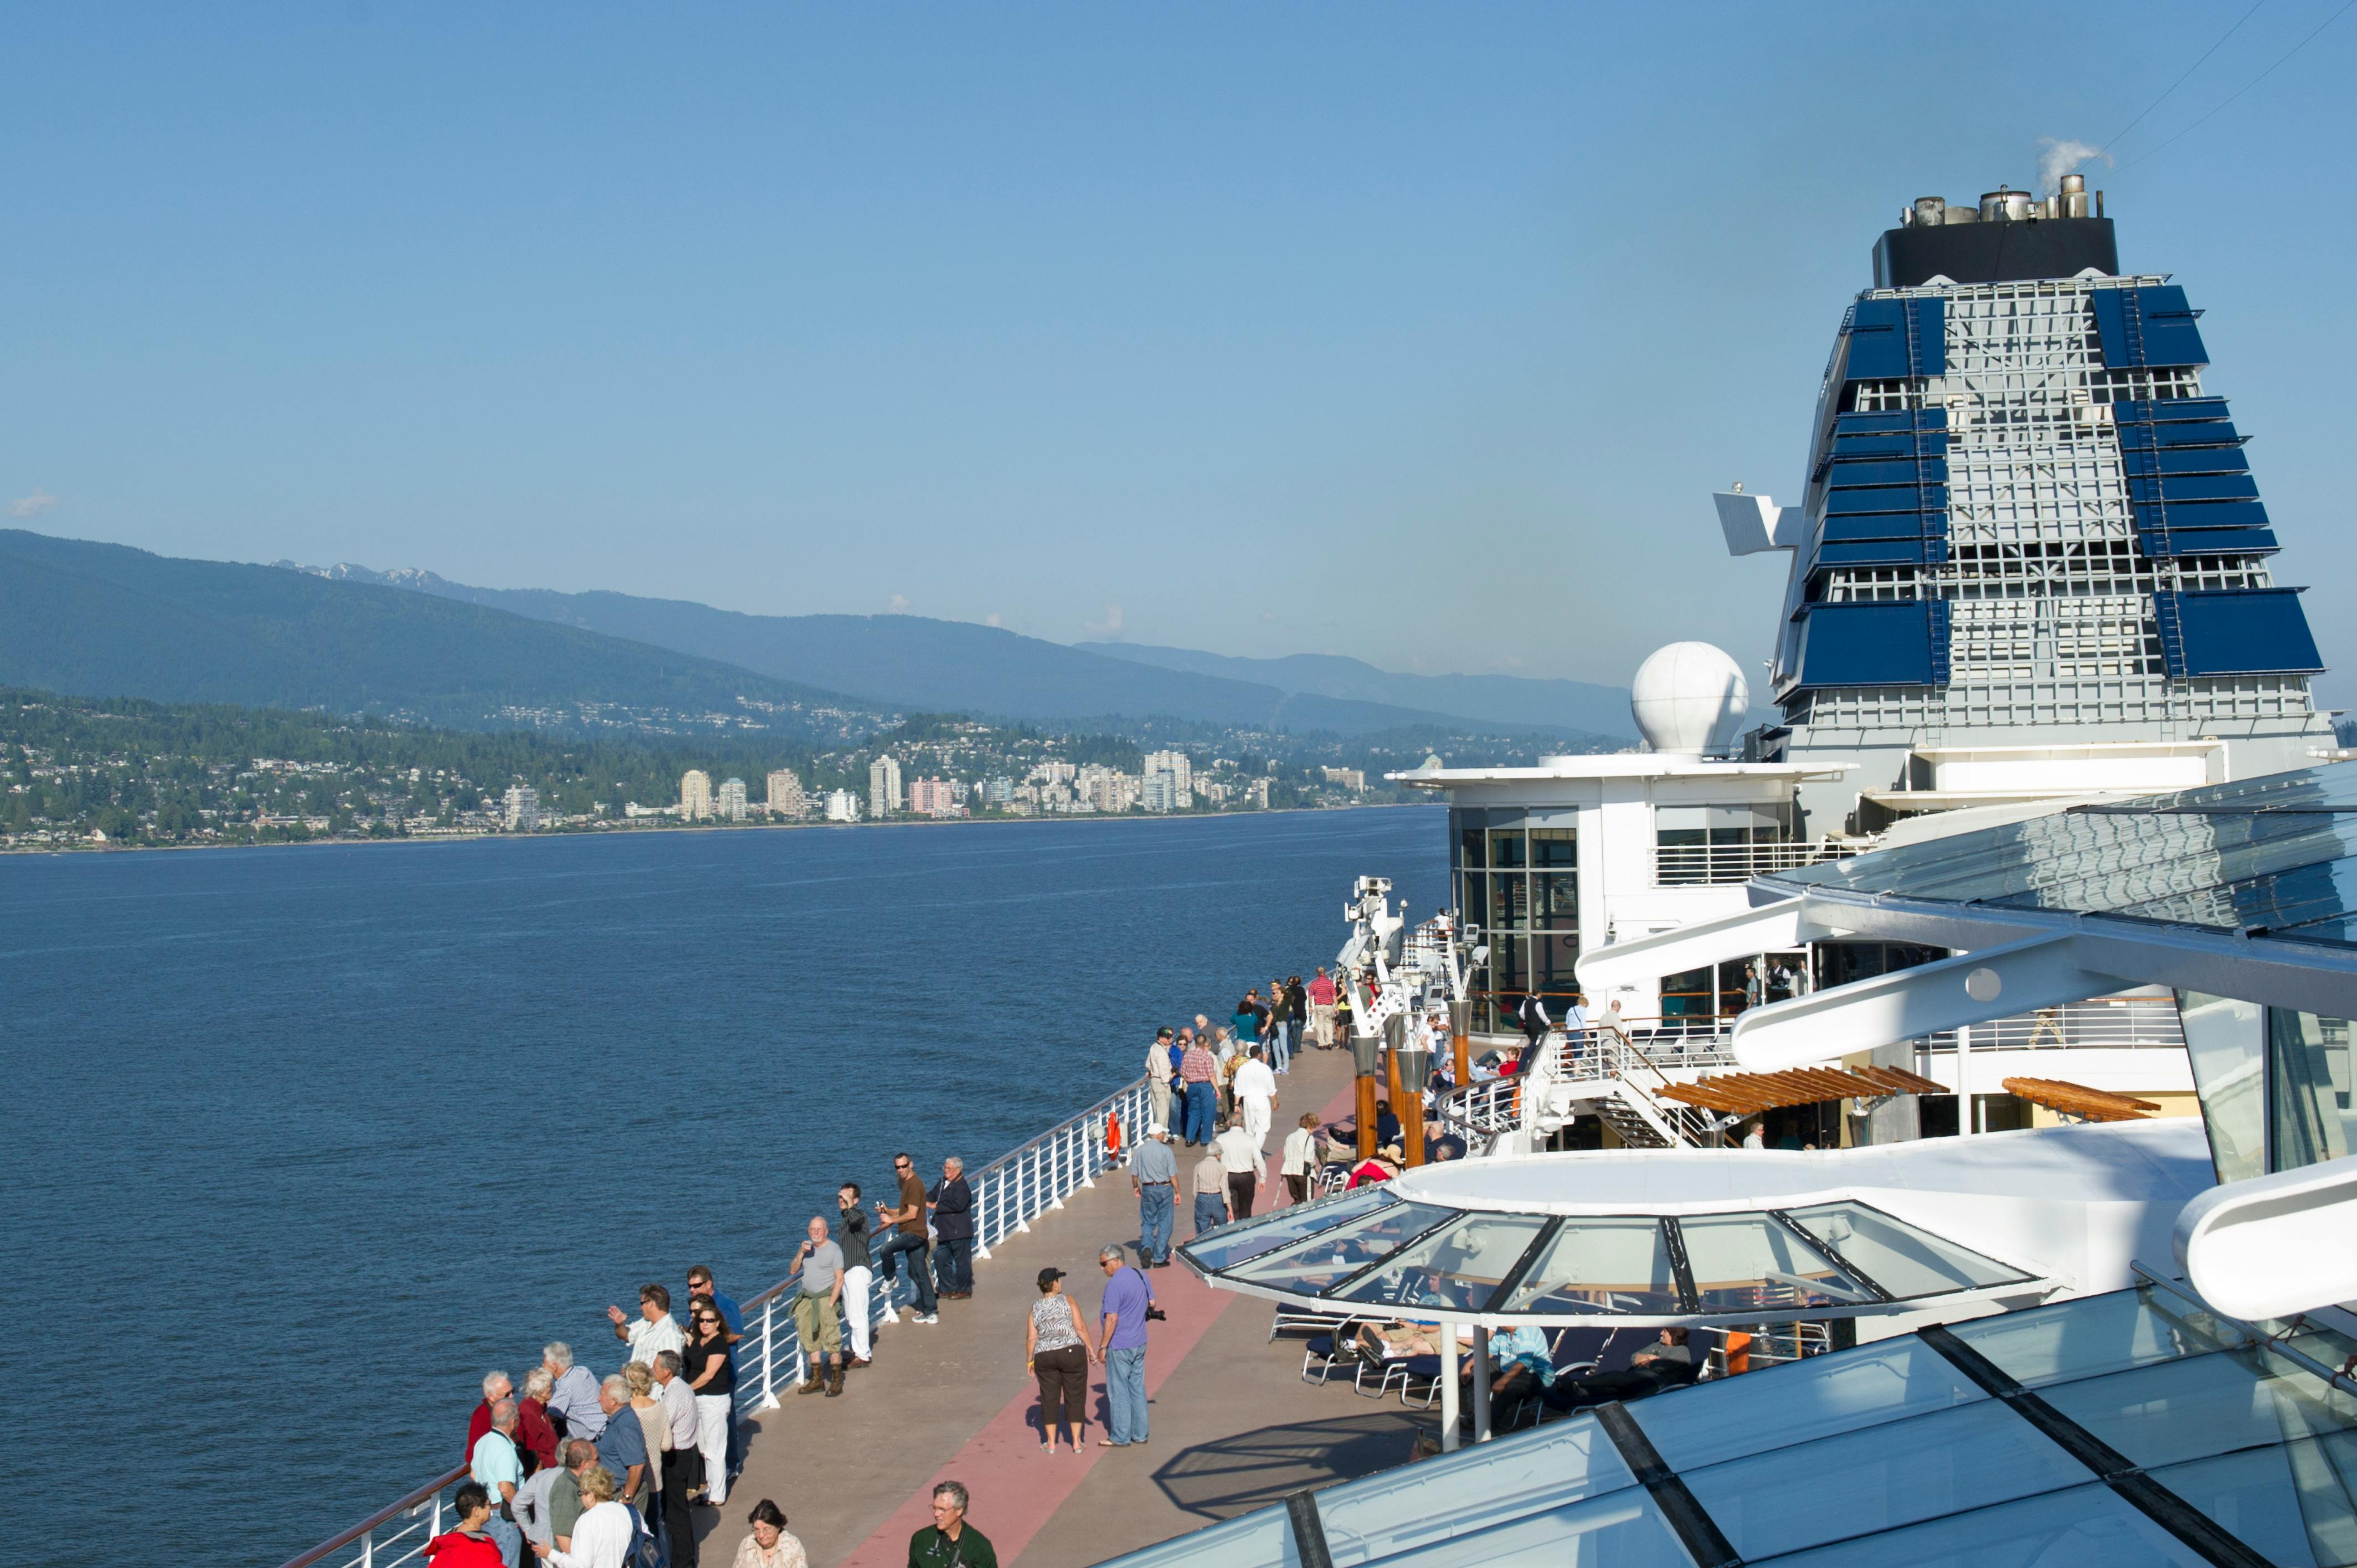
x: 1233, y: 1426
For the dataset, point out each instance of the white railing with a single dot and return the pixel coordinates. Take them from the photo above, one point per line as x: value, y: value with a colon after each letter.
x: 1009, y: 1193
x: 1698, y: 864
x: 2105, y: 1023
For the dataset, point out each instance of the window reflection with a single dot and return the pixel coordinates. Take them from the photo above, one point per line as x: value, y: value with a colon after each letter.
x: 1743, y: 1262
x: 1232, y: 1244
x: 1897, y: 1256
x: 1326, y: 1260
x: 1601, y: 1264
x: 1460, y: 1266
x: 2275, y: 1084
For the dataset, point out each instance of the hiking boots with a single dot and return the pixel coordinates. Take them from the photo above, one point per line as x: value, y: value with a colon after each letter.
x: 834, y: 1382
x: 811, y: 1384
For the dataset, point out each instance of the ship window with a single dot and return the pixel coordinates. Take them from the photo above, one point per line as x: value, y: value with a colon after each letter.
x: 1897, y: 1256
x: 1601, y: 1264
x: 1459, y: 1267
x: 1233, y: 1244
x: 1744, y: 1262
x: 1324, y: 1261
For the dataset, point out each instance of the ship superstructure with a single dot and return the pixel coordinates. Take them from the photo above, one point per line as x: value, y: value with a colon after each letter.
x: 2030, y: 557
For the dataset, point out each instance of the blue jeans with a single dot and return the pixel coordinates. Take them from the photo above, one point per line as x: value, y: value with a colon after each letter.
x: 1156, y: 1208
x: 1202, y: 1106
x: 1280, y: 1046
x: 1211, y: 1212
x: 1125, y: 1394
x: 509, y: 1539
x: 919, y: 1274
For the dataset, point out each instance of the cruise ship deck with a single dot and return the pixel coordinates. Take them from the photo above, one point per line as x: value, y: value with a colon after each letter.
x: 1233, y: 1426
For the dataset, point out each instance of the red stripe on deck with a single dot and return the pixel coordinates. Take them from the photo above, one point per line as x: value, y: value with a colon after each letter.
x: 1016, y: 1486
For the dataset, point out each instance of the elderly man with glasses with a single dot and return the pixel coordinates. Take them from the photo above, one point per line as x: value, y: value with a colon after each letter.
x: 908, y: 1222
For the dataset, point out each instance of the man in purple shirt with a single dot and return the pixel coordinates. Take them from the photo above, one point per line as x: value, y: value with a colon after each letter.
x: 1122, y: 1320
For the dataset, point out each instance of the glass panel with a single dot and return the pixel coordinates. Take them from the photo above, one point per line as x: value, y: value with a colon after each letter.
x: 1232, y: 1244
x: 1555, y: 900
x: 1879, y: 1479
x: 1506, y: 847
x: 1822, y: 1396
x: 1509, y: 970
x: 1264, y: 1535
x: 1625, y: 1530
x: 2224, y: 1040
x: 1470, y: 838
x: 1903, y: 1260
x: 1600, y: 1264
x: 1554, y: 846
x: 1415, y: 1506
x: 1747, y: 1262
x: 1555, y: 958
x: 2289, y: 1503
x: 1476, y: 901
x: 1324, y: 1259
x: 1458, y: 1268
x: 2176, y: 1411
x: 2307, y: 1089
x: 1690, y: 994
x: 1510, y: 902
x: 2087, y: 1527
x: 2090, y: 1337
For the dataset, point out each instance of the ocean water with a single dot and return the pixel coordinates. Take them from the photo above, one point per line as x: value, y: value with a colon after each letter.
x: 300, y: 1140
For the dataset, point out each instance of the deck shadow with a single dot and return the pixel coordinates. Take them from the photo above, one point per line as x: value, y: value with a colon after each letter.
x: 1252, y: 1469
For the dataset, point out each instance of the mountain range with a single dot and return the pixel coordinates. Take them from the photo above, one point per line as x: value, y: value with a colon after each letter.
x: 92, y: 619
x: 957, y: 666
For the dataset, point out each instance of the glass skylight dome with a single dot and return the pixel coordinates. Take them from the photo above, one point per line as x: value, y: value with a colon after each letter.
x: 1398, y: 1251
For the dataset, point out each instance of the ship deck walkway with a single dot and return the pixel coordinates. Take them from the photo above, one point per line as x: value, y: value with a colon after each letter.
x: 1232, y: 1425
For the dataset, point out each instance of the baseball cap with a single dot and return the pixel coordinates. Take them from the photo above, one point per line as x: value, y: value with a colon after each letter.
x: 1049, y: 1276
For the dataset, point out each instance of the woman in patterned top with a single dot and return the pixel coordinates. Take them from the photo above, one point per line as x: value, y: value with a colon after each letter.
x: 1057, y: 1345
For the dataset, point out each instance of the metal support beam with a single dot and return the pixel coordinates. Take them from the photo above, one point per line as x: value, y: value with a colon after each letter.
x: 1448, y: 1410
x: 1481, y: 1384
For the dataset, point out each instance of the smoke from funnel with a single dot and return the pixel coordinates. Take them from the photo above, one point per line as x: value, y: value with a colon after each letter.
x: 2057, y: 157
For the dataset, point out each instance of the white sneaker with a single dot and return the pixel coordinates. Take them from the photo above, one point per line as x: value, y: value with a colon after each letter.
x: 926, y: 1317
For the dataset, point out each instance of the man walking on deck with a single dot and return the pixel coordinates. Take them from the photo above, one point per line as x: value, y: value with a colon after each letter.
x: 952, y: 1201
x: 908, y: 1238
x: 859, y: 1271
x: 818, y: 1311
x: 1158, y: 1070
x: 1255, y: 1088
x: 1122, y: 1320
x: 1321, y: 1010
x: 1153, y: 1176
x: 1199, y: 1070
x: 1211, y: 1187
x: 1242, y: 1160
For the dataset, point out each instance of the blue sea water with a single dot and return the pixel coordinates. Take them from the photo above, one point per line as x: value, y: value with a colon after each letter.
x: 300, y: 1140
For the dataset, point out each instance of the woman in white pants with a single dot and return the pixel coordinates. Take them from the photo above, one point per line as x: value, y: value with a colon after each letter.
x: 708, y: 1373
x: 858, y: 1275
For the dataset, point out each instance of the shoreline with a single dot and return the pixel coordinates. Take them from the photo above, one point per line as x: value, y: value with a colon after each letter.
x: 410, y: 840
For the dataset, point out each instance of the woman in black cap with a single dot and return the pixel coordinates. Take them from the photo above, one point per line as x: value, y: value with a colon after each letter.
x: 1057, y: 1347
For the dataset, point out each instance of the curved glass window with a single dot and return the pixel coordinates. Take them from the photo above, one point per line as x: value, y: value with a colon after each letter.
x: 1232, y: 1244
x: 1459, y: 1267
x: 1745, y: 1261
x: 1319, y: 1262
x: 1606, y: 1264
x: 1903, y: 1260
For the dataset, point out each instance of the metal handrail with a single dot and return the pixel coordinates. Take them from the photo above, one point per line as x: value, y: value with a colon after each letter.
x: 1020, y: 1185
x: 430, y: 1492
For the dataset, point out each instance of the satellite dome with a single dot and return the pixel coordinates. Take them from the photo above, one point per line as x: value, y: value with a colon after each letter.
x: 1689, y: 698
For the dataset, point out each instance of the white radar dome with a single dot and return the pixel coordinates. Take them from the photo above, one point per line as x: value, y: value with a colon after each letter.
x: 1689, y: 698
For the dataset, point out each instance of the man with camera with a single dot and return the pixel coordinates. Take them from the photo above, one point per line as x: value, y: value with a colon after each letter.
x: 1128, y: 1307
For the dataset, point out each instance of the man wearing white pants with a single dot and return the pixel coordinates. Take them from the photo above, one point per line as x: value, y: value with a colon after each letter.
x: 1255, y: 1090
x: 858, y: 1273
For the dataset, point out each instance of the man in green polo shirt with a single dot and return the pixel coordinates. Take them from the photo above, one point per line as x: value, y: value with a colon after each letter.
x: 949, y: 1541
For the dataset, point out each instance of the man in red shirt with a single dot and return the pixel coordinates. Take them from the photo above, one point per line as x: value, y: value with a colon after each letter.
x: 496, y: 1387
x: 1197, y: 1069
x: 1321, y: 1010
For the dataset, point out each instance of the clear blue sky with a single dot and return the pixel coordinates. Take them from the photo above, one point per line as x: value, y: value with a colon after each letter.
x: 1420, y: 334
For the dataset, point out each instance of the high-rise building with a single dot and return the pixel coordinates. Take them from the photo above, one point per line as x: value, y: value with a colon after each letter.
x: 883, y: 787
x: 1354, y: 779
x: 933, y: 797
x: 1258, y: 791
x: 1159, y: 792
x: 999, y: 791
x: 2029, y: 550
x: 785, y: 793
x: 521, y: 809
x: 695, y: 794
x: 1182, y: 779
x: 732, y: 806
x: 842, y: 806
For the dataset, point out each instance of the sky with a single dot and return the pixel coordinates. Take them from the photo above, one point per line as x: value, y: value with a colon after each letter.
x: 1420, y: 334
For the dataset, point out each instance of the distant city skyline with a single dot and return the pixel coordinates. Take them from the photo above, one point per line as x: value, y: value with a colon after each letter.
x: 1417, y: 336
